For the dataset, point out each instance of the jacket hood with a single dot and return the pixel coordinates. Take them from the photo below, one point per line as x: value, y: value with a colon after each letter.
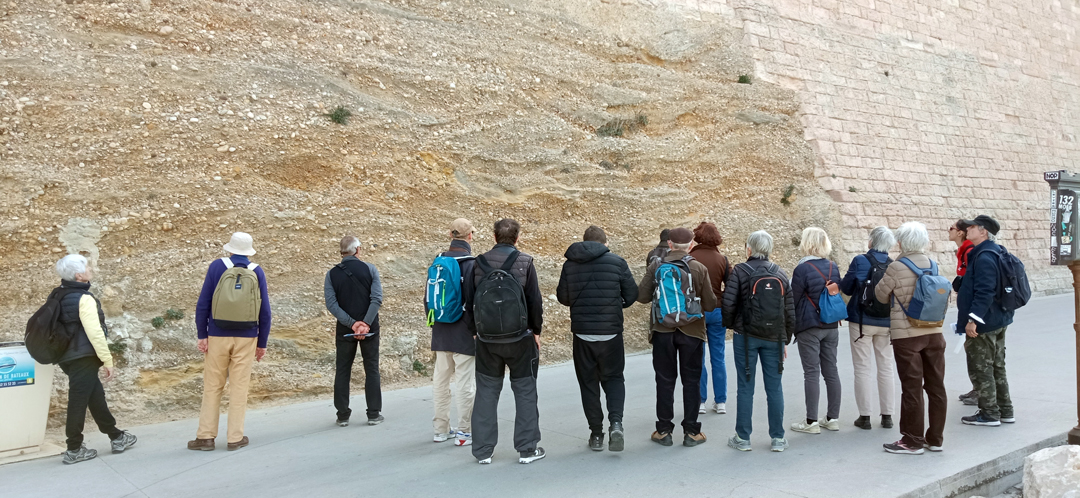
x: 583, y: 252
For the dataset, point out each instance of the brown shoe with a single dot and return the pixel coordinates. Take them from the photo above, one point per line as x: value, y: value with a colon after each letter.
x: 201, y: 444
x: 239, y: 444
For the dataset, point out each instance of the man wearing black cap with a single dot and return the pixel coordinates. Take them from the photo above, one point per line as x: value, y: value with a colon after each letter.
x: 680, y: 348
x: 661, y: 249
x: 981, y: 316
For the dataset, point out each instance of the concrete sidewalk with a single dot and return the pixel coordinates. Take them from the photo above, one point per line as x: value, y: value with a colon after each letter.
x: 298, y: 451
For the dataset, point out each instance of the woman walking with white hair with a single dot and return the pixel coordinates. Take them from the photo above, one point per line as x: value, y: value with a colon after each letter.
x: 919, y: 349
x: 88, y: 352
x: 868, y: 329
x: 816, y: 331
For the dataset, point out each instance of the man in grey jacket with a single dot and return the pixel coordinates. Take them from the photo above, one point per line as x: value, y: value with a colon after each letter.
x: 353, y: 295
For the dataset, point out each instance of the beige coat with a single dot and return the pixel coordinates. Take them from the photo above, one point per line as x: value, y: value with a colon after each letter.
x: 899, y: 282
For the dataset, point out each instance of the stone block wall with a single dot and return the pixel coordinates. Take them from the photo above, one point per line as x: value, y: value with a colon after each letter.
x: 928, y: 110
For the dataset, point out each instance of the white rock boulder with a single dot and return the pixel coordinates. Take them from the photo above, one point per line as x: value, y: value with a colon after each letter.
x: 1053, y: 473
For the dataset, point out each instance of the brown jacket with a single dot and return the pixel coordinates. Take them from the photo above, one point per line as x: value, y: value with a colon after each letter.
x: 717, y: 263
x: 899, y: 282
x: 702, y: 287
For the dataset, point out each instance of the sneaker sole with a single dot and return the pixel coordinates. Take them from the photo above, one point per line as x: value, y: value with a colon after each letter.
x: 664, y: 442
x: 1008, y: 420
x: 935, y: 449
x: 807, y: 431
x: 970, y: 402
x: 616, y: 442
x: 467, y: 442
x: 904, y: 452
x: 691, y: 444
x: 778, y: 450
x: 597, y: 448
x: 983, y: 424
x: 486, y: 461
x: 732, y: 446
x: 73, y: 462
x: 374, y: 422
x: 526, y: 461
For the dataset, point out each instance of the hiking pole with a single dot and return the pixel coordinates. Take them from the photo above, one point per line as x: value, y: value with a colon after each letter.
x: 1074, y: 434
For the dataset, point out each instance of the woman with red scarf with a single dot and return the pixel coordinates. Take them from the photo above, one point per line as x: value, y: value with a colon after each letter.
x: 958, y: 234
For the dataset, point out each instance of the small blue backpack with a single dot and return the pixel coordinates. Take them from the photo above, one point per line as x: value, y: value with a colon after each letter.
x: 443, y: 293
x: 930, y: 301
x: 675, y: 302
x: 830, y: 305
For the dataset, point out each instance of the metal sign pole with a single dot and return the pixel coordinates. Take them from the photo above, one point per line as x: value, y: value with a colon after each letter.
x: 1074, y: 434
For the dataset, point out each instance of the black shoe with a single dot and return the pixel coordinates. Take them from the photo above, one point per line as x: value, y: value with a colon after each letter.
x: 980, y: 419
x: 596, y: 442
x: 886, y: 422
x: 530, y: 457
x: 615, y: 437
x: 375, y: 421
x: 693, y: 439
x: 863, y: 423
x: 970, y: 398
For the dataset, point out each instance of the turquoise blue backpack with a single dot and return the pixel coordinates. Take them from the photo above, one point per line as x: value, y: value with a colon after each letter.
x: 675, y: 302
x: 830, y: 306
x: 443, y: 294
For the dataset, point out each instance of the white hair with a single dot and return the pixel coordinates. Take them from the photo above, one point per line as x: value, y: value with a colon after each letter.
x: 815, y: 242
x: 760, y: 244
x: 349, y: 245
x: 913, y: 237
x: 71, y: 265
x: 882, y: 239
x: 680, y: 247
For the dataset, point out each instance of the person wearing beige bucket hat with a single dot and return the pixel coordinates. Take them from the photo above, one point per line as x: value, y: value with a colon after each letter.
x: 232, y: 318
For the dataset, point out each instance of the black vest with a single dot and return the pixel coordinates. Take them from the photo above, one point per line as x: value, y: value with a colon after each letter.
x: 80, y: 346
x: 353, y: 297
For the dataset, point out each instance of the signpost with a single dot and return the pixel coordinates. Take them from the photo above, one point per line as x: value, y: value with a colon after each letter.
x: 1063, y: 188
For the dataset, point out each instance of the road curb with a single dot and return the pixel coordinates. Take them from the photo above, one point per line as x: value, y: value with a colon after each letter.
x: 983, y: 479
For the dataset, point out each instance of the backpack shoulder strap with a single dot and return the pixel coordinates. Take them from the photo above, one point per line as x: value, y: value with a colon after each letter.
x: 252, y: 266
x: 914, y: 268
x: 510, y: 260
x: 484, y: 266
x: 819, y: 271
x: 349, y: 273
x: 228, y: 263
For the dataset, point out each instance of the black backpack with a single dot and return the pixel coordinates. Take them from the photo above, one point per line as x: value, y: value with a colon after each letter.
x: 1015, y: 291
x: 868, y: 304
x: 765, y: 307
x: 46, y: 338
x: 499, y: 303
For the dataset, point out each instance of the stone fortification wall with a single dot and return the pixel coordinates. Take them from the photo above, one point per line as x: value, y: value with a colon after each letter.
x: 927, y: 110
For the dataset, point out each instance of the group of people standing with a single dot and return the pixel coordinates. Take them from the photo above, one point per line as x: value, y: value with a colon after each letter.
x: 486, y: 315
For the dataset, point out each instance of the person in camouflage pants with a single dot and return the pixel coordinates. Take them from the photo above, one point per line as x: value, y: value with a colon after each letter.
x: 983, y: 319
x: 986, y: 368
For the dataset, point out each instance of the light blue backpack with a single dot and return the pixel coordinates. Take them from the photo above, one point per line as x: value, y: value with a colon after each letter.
x: 830, y: 305
x: 443, y: 293
x: 675, y: 302
x: 930, y: 301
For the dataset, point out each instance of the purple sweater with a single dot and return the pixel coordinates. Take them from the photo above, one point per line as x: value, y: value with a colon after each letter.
x: 205, y: 326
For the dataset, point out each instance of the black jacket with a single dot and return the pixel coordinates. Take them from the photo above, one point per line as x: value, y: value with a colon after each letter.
x: 806, y: 287
x: 737, y: 294
x: 525, y: 273
x: 596, y: 284
x: 977, y: 298
x: 456, y: 337
x: 354, y: 297
x: 80, y: 346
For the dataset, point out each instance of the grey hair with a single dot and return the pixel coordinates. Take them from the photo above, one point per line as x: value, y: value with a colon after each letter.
x: 680, y: 247
x: 760, y: 244
x: 349, y: 245
x: 882, y: 239
x: 71, y: 265
x: 913, y: 237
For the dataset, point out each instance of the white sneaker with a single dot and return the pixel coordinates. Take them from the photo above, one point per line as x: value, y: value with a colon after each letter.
x: 721, y: 408
x: 442, y: 436
x: 830, y: 424
x: 802, y: 426
x: 485, y: 461
x: 463, y: 439
x: 702, y: 409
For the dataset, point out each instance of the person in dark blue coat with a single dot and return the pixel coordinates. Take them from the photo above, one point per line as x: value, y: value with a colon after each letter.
x: 870, y: 335
x: 981, y: 317
x: 817, y: 341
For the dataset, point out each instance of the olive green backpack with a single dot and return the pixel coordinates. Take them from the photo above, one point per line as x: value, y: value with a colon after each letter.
x: 237, y: 299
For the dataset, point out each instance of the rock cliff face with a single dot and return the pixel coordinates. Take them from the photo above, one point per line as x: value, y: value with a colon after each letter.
x: 143, y: 133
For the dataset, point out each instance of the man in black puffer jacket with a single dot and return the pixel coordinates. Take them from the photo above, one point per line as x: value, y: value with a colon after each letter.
x: 597, y: 284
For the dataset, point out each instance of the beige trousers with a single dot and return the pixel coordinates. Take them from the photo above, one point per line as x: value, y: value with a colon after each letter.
x: 231, y: 358
x: 873, y: 345
x: 462, y: 368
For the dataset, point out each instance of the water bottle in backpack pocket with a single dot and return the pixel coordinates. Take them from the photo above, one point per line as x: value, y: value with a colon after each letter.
x: 830, y: 306
x: 930, y: 299
x: 443, y: 293
x: 675, y: 302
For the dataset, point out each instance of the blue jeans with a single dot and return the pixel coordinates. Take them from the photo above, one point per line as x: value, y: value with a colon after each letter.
x: 770, y: 353
x: 714, y: 326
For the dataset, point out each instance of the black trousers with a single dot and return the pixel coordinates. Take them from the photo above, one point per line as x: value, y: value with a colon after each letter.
x: 85, y: 391
x: 676, y: 354
x: 492, y: 360
x: 346, y: 356
x: 600, y: 364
